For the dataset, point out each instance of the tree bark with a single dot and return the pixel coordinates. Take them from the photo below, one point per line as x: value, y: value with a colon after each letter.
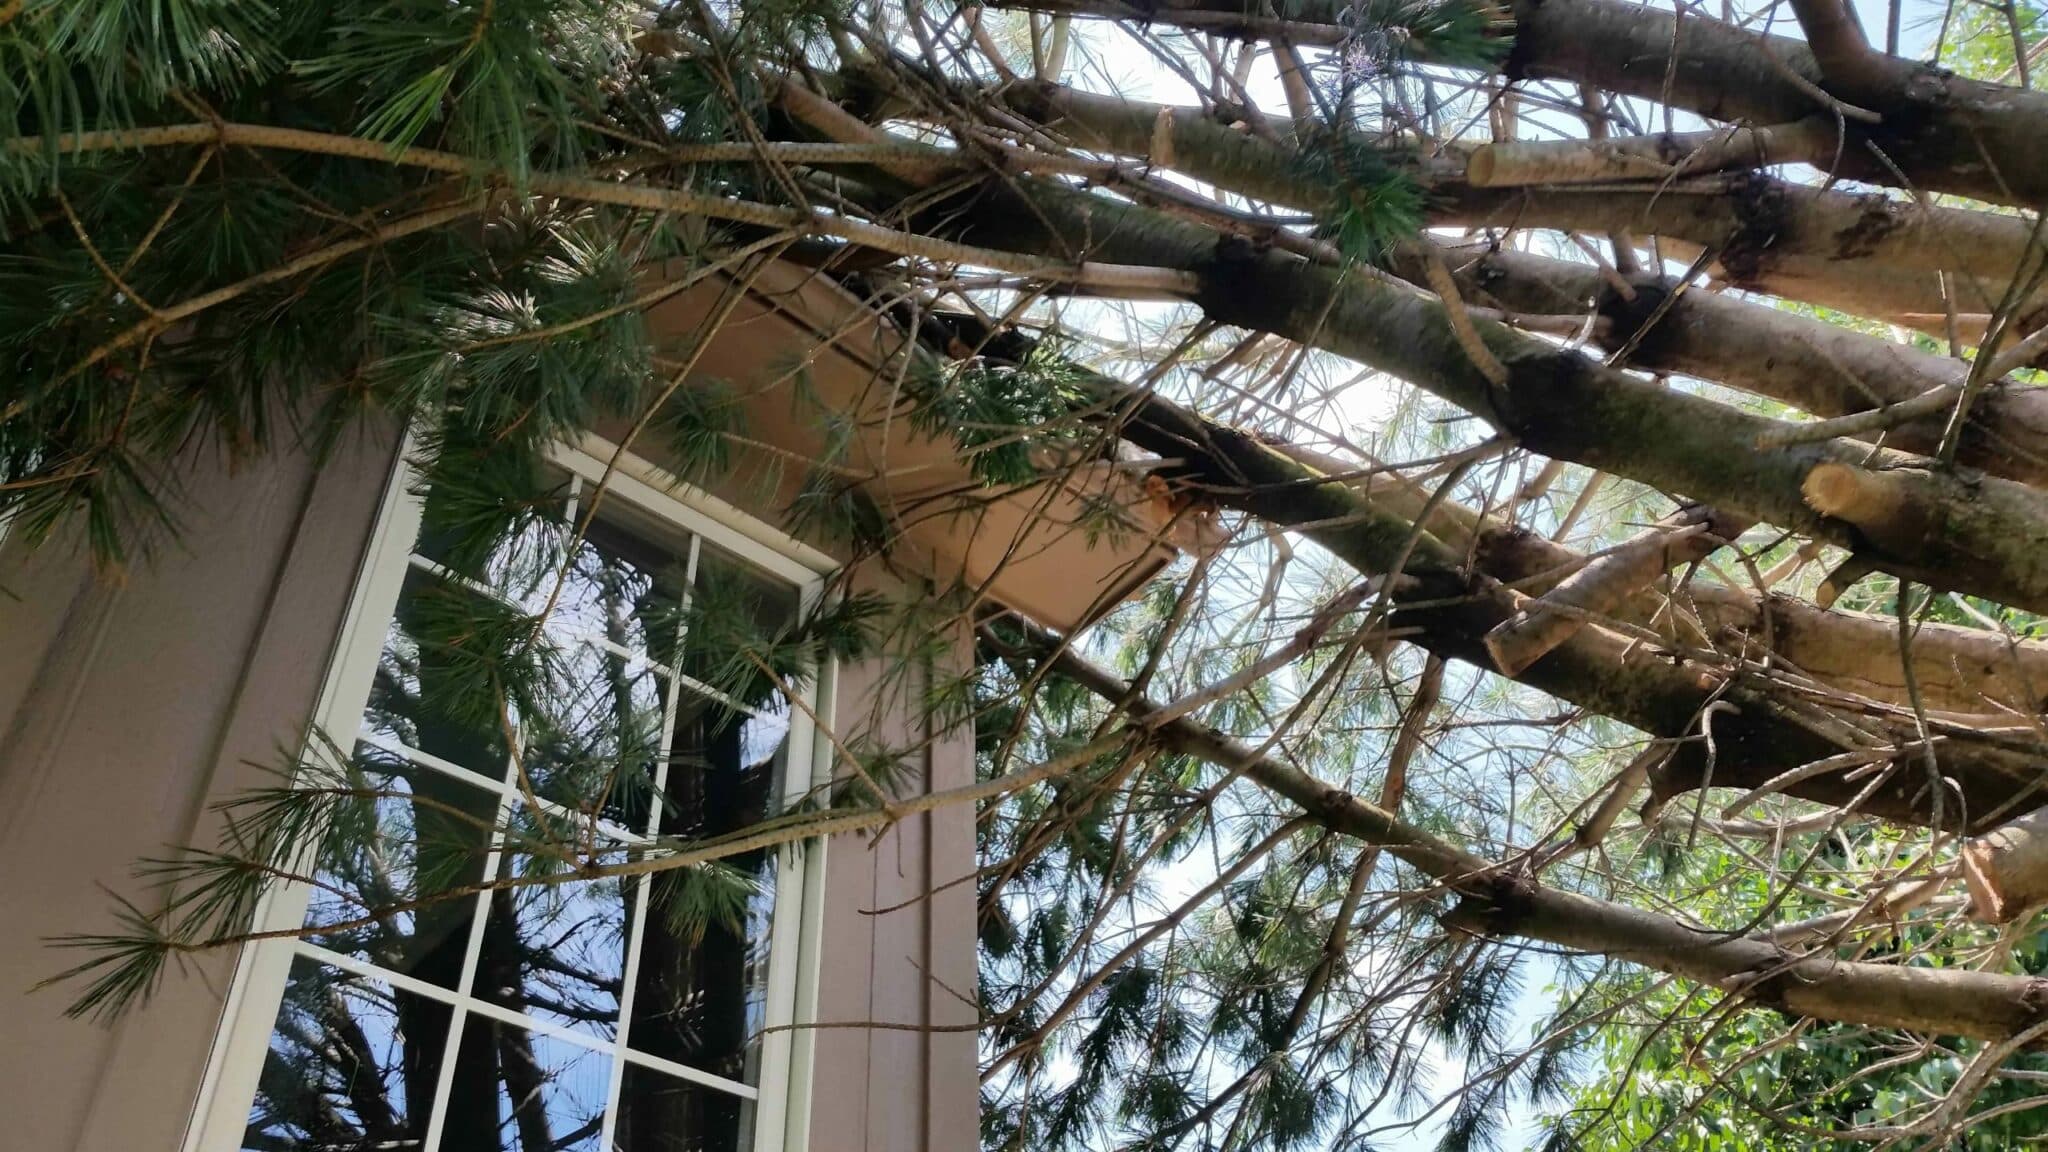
x: 1515, y: 163
x: 1970, y: 674
x: 1604, y: 585
x: 1763, y: 229
x: 1449, y: 611
x: 1986, y: 536
x: 1768, y: 236
x: 1936, y: 131
x: 2007, y: 869
x: 1820, y: 368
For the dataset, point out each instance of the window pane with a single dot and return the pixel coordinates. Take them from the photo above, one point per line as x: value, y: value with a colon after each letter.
x: 661, y: 1113
x: 591, y: 743
x: 621, y: 586
x: 352, y: 1066
x: 418, y: 832
x: 521, y: 1091
x: 615, y: 746
x: 556, y: 951
x: 439, y: 685
x: 525, y: 540
x: 740, y: 621
x: 700, y: 994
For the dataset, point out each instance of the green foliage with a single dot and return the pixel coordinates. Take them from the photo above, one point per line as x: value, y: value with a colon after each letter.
x: 693, y: 900
x: 1381, y: 34
x: 1003, y: 416
x: 501, y: 78
x: 1979, y: 42
x: 1377, y: 202
x: 212, y: 894
x: 729, y: 647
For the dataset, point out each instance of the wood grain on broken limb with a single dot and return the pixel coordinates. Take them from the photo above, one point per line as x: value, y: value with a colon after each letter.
x: 1961, y: 672
x: 1497, y: 902
x: 2007, y: 868
x: 1451, y: 607
x: 1608, y: 582
x: 1668, y: 154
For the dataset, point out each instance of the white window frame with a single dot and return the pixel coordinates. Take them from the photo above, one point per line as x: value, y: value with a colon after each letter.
x: 781, y: 1099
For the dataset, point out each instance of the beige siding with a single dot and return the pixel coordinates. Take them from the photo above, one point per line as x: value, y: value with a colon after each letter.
x: 128, y: 706
x: 125, y: 707
x: 904, y: 1087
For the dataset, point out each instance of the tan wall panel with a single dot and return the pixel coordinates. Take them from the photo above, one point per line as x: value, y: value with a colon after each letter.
x: 149, y: 699
x: 898, y: 1087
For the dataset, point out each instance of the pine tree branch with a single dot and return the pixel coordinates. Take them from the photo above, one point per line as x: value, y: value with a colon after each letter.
x: 1086, y: 274
x: 1941, y: 133
x: 1663, y: 156
x: 1809, y: 364
x: 1498, y: 903
x: 319, y: 258
x: 640, y: 860
x: 1846, y: 59
x: 1766, y: 231
x: 1986, y: 537
x: 1450, y: 611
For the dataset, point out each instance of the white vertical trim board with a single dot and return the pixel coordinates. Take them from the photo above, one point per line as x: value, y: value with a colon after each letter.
x: 780, y: 1097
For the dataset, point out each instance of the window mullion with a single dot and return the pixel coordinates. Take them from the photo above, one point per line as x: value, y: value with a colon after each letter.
x: 471, y: 954
x: 629, y: 974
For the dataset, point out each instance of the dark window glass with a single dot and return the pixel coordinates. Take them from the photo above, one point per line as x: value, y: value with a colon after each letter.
x: 661, y: 1113
x: 701, y: 993
x: 435, y: 688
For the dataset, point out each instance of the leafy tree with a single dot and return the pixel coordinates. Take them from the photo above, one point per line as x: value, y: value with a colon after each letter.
x: 1608, y: 440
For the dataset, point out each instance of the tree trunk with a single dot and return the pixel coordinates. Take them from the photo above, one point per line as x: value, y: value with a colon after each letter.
x: 1987, y: 536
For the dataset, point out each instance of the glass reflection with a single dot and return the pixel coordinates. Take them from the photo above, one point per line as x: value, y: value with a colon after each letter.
x: 619, y: 587
x: 556, y: 951
x: 408, y: 834
x: 661, y: 1113
x: 700, y: 995
x: 441, y: 682
x: 516, y: 1090
x: 352, y: 1066
x: 592, y: 742
x: 615, y: 745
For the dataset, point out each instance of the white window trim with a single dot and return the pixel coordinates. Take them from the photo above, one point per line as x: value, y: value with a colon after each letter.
x: 781, y: 1117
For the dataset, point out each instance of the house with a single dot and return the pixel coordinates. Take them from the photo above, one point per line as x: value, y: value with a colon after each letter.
x: 564, y: 1016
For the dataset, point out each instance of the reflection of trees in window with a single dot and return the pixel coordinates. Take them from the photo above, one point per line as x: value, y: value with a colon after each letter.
x: 615, y: 746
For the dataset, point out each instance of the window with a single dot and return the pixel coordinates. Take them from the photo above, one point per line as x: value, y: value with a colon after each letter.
x: 621, y: 1012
